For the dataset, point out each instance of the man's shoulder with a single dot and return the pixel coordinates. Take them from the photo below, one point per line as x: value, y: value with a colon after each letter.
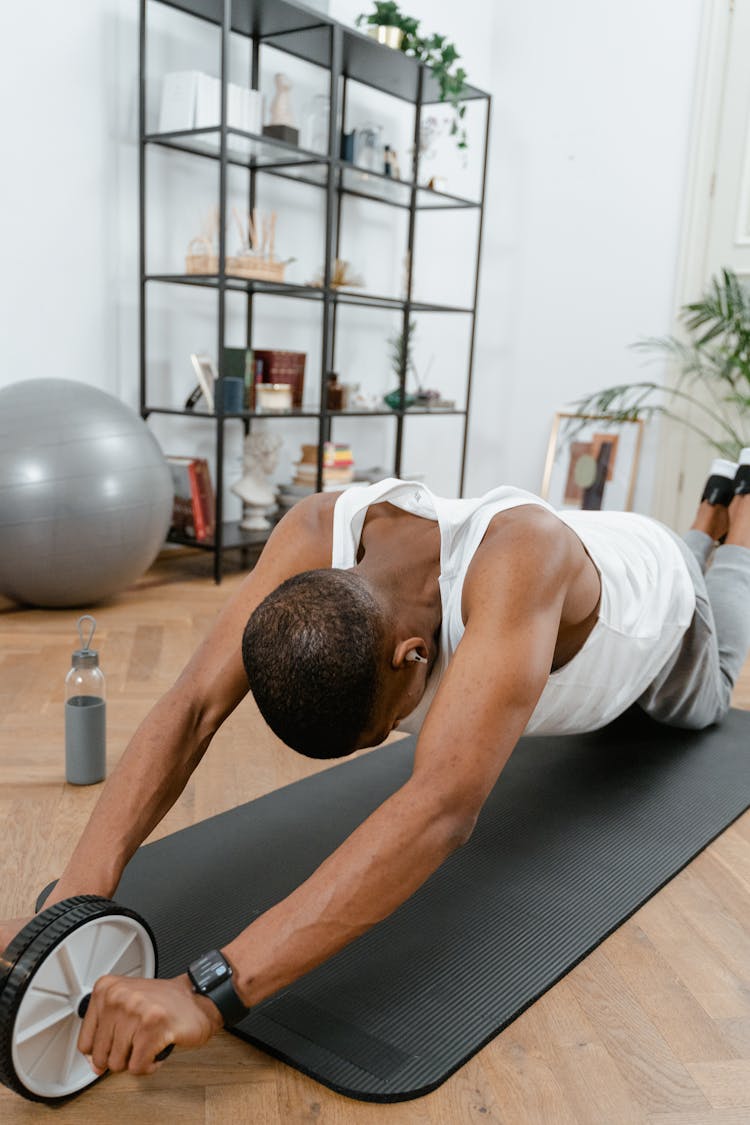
x: 311, y: 519
x: 525, y: 527
x: 528, y: 544
x: 317, y: 510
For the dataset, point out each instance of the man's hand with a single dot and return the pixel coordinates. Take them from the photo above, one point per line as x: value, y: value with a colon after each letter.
x: 9, y: 929
x: 130, y: 1021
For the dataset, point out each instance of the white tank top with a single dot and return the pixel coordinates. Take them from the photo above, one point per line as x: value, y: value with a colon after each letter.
x: 647, y: 598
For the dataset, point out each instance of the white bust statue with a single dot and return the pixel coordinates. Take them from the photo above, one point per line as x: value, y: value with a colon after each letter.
x: 261, y: 455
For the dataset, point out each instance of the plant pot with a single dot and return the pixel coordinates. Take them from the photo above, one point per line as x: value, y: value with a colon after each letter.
x: 387, y: 35
x: 393, y: 399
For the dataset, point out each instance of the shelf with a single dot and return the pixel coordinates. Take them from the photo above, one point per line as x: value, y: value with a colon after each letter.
x: 240, y: 284
x: 344, y: 55
x: 203, y: 414
x: 365, y: 300
x: 248, y: 150
x: 307, y: 35
x: 233, y: 538
x: 306, y: 292
x: 303, y: 413
x: 384, y: 189
x: 429, y: 200
x: 410, y: 412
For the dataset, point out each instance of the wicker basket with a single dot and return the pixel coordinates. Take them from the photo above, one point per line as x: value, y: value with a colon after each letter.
x: 259, y: 269
x: 201, y: 260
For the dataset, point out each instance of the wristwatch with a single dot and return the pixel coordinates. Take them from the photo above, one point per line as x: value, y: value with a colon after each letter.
x: 211, y: 976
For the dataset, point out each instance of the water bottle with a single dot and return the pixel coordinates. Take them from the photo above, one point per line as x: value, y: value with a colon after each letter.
x: 85, y: 710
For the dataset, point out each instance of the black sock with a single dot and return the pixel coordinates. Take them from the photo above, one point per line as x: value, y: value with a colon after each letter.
x: 720, y: 490
x: 742, y: 480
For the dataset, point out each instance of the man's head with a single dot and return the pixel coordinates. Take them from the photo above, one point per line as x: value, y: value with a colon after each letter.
x: 321, y: 664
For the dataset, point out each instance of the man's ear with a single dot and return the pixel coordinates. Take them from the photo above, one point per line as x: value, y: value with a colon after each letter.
x: 413, y: 650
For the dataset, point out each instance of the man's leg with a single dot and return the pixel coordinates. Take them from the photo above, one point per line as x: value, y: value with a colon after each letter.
x: 711, y: 524
x: 694, y: 690
x: 728, y: 586
x: 712, y: 519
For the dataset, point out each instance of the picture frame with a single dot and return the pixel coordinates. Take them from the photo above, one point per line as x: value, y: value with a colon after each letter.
x: 205, y: 373
x: 592, y: 462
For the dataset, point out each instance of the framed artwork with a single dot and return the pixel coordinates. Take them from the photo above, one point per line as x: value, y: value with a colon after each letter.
x: 206, y: 376
x: 592, y: 462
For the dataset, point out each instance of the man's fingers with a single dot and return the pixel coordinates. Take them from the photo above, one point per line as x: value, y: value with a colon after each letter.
x: 131, y: 1022
x: 150, y: 1038
x: 122, y: 1047
x: 88, y: 1027
x: 99, y: 1024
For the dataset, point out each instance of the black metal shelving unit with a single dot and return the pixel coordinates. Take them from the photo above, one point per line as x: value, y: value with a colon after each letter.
x: 347, y: 55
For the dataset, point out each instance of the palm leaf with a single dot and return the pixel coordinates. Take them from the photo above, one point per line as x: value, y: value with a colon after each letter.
x: 713, y: 365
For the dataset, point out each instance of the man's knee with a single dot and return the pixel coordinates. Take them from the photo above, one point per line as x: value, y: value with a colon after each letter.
x: 698, y: 715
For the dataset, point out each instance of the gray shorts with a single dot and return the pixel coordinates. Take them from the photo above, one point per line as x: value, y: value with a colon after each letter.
x: 694, y: 688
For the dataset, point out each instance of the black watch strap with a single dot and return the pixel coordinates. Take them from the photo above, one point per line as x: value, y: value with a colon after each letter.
x: 211, y: 976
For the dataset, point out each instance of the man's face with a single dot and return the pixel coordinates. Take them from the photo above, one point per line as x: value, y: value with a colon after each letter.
x: 395, y: 703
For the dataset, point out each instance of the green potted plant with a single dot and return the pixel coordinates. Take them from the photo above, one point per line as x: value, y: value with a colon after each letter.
x: 711, y: 395
x: 391, y: 26
x: 387, y: 24
x: 401, y: 361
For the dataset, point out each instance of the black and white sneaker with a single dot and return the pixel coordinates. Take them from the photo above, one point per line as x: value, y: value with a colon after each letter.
x: 722, y: 481
x: 742, y: 476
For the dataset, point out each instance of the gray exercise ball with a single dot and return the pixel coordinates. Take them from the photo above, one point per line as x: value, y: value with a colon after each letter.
x: 85, y: 493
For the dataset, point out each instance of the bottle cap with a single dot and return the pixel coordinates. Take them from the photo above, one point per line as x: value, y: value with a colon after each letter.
x: 86, y: 657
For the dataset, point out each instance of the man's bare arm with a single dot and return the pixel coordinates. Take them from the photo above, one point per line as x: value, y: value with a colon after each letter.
x: 487, y: 696
x: 174, y: 736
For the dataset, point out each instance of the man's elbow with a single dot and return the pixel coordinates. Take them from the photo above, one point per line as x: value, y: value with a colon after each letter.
x: 459, y: 819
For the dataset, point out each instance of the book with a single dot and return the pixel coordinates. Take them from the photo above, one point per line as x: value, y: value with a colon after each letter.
x: 253, y: 110
x: 308, y: 474
x: 194, y: 509
x: 178, y: 98
x: 207, y: 102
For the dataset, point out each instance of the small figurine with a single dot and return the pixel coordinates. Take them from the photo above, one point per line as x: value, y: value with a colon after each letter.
x: 391, y: 165
x: 281, y: 125
x: 281, y: 105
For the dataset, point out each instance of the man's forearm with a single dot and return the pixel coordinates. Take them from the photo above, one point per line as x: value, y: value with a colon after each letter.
x: 147, y: 781
x: 376, y: 869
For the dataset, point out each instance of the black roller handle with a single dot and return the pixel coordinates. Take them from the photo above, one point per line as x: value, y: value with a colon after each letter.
x: 83, y: 1007
x: 44, y: 895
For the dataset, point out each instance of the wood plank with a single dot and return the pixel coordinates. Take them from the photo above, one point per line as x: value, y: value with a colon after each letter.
x: 658, y: 1080
x: 725, y: 1084
x: 709, y: 1117
x: 677, y: 1015
x: 698, y: 964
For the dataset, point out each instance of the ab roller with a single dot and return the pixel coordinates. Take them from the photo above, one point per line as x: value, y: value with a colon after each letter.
x: 46, y: 977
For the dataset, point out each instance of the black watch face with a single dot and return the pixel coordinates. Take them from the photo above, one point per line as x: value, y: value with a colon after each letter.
x: 209, y: 970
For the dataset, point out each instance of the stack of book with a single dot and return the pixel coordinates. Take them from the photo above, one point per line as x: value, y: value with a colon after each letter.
x: 194, y: 510
x: 338, y: 465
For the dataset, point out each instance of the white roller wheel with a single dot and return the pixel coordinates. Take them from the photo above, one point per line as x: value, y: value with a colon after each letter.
x: 53, y: 973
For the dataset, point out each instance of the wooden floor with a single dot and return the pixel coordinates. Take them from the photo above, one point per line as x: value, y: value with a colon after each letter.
x: 652, y: 1028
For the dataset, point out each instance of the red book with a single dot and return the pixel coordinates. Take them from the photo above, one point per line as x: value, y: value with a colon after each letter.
x: 206, y: 499
x: 193, y: 514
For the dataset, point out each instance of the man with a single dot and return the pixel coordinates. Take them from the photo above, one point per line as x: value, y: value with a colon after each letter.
x: 471, y: 621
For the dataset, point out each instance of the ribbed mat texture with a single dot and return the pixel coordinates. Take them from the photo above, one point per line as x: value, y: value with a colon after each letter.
x: 576, y: 835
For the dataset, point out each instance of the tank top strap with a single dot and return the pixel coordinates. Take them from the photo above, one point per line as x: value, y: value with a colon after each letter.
x: 350, y: 510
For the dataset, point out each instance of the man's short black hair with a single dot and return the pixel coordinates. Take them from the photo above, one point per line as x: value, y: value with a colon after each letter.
x: 313, y: 652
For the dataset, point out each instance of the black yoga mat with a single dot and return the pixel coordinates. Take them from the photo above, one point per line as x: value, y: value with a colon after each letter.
x: 577, y: 834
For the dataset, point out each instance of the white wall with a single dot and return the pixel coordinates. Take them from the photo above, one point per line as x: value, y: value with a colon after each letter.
x: 592, y: 108
x: 592, y: 114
